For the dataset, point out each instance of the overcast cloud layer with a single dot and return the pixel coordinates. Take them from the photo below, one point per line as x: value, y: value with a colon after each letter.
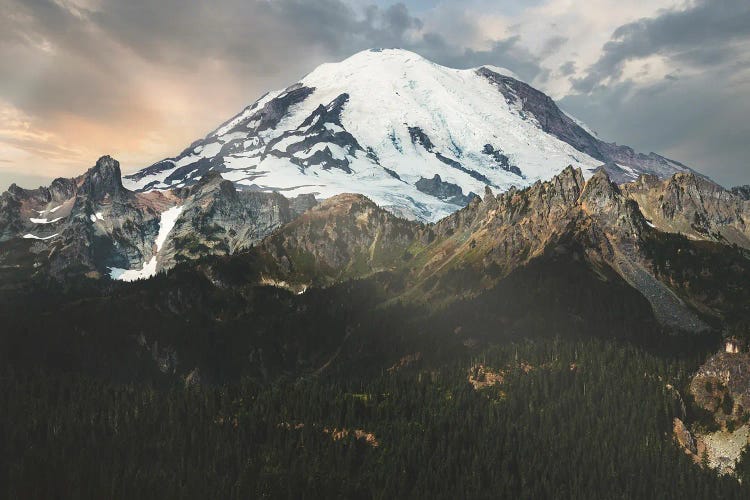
x: 141, y: 79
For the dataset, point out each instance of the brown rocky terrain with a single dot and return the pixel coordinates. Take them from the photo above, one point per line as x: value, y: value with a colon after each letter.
x: 694, y: 206
x: 720, y: 390
x: 618, y: 232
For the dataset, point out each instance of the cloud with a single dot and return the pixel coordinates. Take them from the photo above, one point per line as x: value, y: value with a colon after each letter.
x: 706, y: 34
x: 692, y: 120
x: 141, y: 79
x: 567, y: 68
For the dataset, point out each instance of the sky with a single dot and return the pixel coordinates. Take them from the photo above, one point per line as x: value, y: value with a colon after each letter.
x: 141, y: 79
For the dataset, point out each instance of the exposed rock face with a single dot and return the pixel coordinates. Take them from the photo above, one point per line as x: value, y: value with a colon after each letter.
x: 695, y: 206
x: 92, y: 224
x: 684, y: 438
x: 349, y: 237
x: 504, y: 232
x: 299, y: 243
x: 437, y: 187
x: 344, y: 236
x: 555, y: 122
x: 103, y: 180
x: 18, y: 206
x: 722, y: 386
x: 216, y: 219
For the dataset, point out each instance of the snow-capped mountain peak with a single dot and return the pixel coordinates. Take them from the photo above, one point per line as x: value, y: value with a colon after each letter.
x: 416, y: 137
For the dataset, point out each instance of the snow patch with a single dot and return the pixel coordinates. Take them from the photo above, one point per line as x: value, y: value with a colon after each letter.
x: 148, y: 271
x: 166, y: 224
x: 391, y: 93
x: 44, y: 221
x: 33, y: 237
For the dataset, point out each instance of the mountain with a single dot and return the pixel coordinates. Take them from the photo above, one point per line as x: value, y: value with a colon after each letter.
x: 93, y: 226
x: 415, y: 137
x: 530, y: 325
x: 590, y: 224
x: 346, y: 283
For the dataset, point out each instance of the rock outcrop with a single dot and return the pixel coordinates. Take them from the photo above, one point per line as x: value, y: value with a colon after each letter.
x: 92, y: 224
x: 694, y: 206
x: 721, y: 389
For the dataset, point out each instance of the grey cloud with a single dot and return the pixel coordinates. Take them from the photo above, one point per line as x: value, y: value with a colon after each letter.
x: 267, y: 41
x: 507, y: 52
x: 692, y: 120
x: 251, y: 34
x: 704, y: 34
x: 567, y: 68
x: 697, y: 113
x: 552, y: 46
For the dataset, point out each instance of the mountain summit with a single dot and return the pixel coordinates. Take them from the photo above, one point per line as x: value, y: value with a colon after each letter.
x: 417, y: 138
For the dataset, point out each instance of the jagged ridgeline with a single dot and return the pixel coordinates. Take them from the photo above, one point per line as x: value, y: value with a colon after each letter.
x: 567, y: 256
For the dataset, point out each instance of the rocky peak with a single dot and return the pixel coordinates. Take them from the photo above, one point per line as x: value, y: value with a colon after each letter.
x: 691, y: 204
x: 346, y: 235
x: 62, y: 189
x: 556, y: 196
x: 742, y: 191
x: 212, y: 182
x: 489, y: 196
x: 603, y: 200
x: 599, y: 192
x: 103, y: 179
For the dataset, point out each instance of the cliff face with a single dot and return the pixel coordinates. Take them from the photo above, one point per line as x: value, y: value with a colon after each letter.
x: 92, y: 225
x: 720, y: 391
x: 694, y: 206
x: 346, y: 236
x: 594, y: 223
x: 216, y: 219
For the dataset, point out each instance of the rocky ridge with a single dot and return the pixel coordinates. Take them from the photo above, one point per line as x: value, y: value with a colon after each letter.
x: 93, y: 225
x: 103, y: 228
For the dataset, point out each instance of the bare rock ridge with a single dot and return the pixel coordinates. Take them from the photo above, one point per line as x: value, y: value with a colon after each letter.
x: 695, y: 206
x: 620, y: 162
x: 93, y: 225
x: 103, y: 180
x: 348, y: 237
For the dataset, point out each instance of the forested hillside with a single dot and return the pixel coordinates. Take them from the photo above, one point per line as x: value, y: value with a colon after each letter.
x: 559, y: 419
